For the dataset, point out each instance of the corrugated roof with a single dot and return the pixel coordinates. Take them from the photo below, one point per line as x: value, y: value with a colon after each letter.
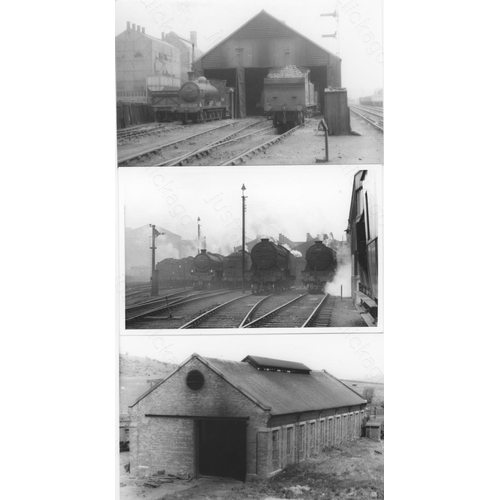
x: 288, y: 392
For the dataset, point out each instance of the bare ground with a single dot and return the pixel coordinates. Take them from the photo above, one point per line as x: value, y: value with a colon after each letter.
x: 307, y: 144
x: 345, y: 314
x: 353, y: 471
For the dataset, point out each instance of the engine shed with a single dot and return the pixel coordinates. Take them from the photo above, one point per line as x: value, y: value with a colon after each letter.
x: 225, y: 418
x: 245, y: 57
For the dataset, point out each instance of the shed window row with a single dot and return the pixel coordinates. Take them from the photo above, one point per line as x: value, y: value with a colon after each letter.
x: 296, y: 442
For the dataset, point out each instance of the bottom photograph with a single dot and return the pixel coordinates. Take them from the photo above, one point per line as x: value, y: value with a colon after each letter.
x: 257, y: 417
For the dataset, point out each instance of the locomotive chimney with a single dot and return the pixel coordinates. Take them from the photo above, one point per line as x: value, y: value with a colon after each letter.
x: 193, y: 36
x: 203, y: 250
x: 191, y: 76
x: 264, y: 239
x: 318, y: 242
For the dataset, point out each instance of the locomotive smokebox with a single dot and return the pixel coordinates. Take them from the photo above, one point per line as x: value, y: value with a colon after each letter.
x: 196, y: 90
x: 319, y: 256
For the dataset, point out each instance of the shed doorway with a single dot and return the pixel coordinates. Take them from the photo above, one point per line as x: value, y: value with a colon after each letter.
x: 222, y: 448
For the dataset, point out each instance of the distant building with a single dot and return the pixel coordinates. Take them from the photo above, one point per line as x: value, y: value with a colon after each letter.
x: 139, y: 57
x: 188, y: 50
x: 138, y: 250
x: 240, y: 419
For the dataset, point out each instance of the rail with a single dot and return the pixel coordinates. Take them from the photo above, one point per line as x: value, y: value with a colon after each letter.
x: 270, y: 314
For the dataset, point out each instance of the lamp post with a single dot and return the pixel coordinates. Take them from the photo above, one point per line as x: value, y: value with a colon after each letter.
x: 243, y: 197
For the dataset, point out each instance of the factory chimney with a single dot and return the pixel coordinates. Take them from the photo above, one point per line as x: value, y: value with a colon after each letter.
x: 193, y: 36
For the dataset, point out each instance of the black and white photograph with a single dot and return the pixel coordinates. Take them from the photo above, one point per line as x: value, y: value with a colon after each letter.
x: 218, y: 82
x: 271, y: 247
x: 241, y: 420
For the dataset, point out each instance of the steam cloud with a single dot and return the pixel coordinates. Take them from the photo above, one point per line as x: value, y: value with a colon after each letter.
x: 343, y: 275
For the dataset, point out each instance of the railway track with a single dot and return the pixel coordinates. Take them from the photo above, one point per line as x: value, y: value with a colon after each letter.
x: 175, y: 294
x: 210, y: 148
x: 302, y: 311
x: 132, y: 315
x: 240, y: 158
x: 231, y: 314
x: 153, y: 129
x: 148, y: 154
x: 320, y: 317
x: 365, y: 111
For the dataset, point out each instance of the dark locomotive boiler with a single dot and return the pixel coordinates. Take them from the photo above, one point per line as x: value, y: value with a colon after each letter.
x: 321, y: 264
x: 207, y: 272
x: 273, y: 267
x: 201, y: 101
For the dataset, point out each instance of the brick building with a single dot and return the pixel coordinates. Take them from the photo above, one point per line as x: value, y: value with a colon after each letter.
x: 140, y: 56
x: 240, y: 419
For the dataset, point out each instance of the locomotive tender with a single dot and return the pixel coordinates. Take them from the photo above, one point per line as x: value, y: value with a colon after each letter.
x: 320, y: 268
x: 200, y: 101
x: 175, y: 272
x: 207, y: 272
x: 273, y: 267
x: 289, y: 96
x: 232, y: 270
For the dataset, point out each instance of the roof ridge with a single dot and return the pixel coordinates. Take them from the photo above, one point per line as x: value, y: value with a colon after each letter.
x: 263, y: 11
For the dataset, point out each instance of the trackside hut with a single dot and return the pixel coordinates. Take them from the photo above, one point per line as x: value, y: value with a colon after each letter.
x: 239, y: 419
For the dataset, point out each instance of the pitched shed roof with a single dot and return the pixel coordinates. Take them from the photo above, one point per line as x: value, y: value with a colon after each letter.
x: 264, y: 25
x: 279, y: 392
x: 288, y: 392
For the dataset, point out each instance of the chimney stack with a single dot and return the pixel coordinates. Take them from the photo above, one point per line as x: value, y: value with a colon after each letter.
x: 138, y: 28
x: 143, y: 31
x: 193, y: 36
x: 162, y: 35
x: 133, y: 26
x: 128, y: 25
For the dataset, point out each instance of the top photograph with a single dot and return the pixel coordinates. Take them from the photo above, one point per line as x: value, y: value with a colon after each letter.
x: 280, y: 82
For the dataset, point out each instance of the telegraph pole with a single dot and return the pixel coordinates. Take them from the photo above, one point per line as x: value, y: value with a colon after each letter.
x: 243, y: 197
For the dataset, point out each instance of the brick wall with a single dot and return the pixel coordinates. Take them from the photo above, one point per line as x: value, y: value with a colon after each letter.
x: 168, y: 443
x: 307, y: 436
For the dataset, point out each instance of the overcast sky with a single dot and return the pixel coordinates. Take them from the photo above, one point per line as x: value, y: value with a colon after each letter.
x: 291, y: 200
x: 361, y: 37
x: 346, y: 355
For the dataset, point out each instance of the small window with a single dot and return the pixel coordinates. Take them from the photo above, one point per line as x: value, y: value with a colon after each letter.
x: 195, y: 380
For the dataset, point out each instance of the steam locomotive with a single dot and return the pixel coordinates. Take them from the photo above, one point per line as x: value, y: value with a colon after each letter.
x: 200, y: 101
x: 321, y: 264
x: 207, y: 272
x: 288, y: 95
x: 273, y: 267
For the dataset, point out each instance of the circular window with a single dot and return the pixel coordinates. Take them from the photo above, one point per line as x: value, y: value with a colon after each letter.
x: 195, y: 380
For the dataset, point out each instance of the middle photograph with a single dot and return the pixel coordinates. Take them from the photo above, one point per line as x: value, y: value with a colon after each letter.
x: 264, y: 248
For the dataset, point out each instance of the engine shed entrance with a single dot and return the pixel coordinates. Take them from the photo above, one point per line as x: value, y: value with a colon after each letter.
x: 244, y: 58
x: 221, y: 448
